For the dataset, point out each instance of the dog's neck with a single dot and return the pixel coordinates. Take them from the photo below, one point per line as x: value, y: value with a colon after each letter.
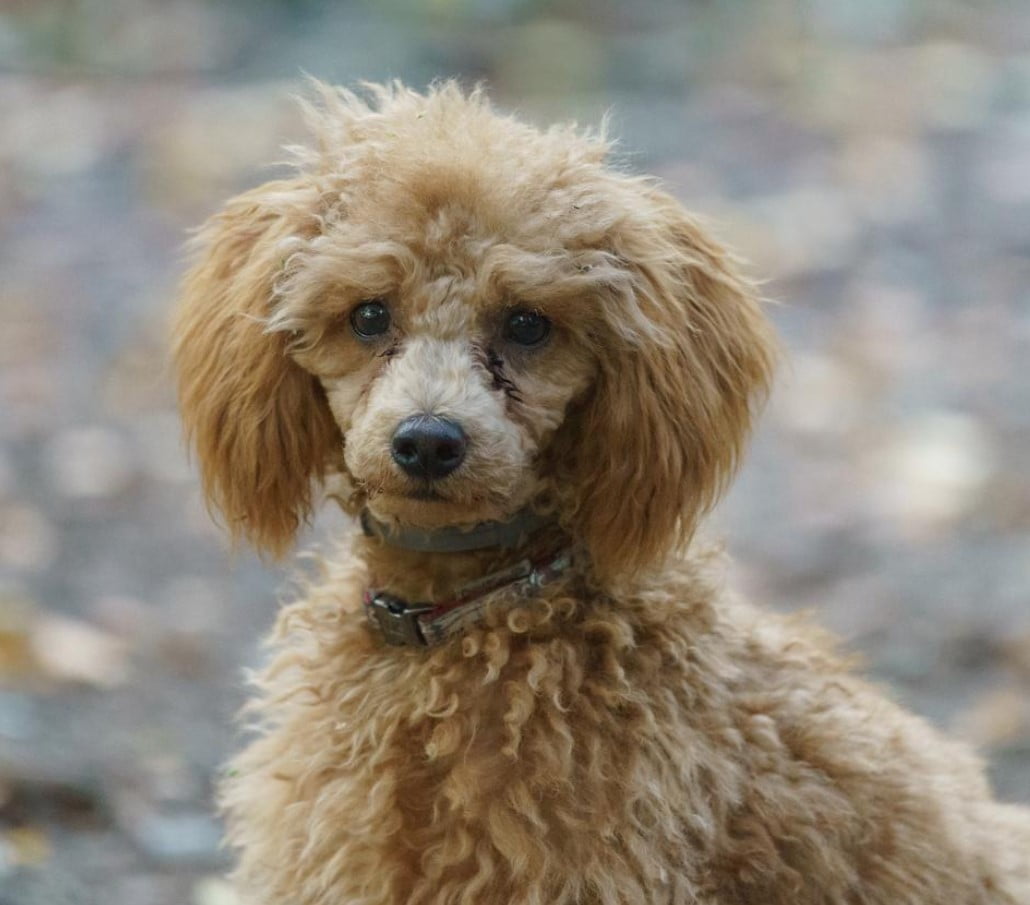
x: 511, y: 533
x: 454, y: 570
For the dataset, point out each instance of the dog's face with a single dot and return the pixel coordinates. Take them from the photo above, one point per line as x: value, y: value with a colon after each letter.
x: 449, y: 341
x: 463, y: 316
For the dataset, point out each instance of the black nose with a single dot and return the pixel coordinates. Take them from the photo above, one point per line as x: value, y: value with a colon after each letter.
x: 428, y: 447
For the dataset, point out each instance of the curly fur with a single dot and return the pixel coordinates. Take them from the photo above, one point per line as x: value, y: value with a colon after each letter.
x: 632, y: 734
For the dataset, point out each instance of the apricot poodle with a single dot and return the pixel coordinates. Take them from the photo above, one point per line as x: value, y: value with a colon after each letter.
x: 528, y: 375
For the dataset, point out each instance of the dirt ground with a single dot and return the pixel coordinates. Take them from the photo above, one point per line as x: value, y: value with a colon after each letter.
x: 871, y: 161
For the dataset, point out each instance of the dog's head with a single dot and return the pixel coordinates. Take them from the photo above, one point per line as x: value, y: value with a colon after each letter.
x: 462, y: 316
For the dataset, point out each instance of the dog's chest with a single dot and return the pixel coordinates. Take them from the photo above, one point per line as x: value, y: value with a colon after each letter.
x: 616, y: 763
x: 503, y: 763
x: 506, y: 768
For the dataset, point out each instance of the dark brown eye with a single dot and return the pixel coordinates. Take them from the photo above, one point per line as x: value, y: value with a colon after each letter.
x: 527, y: 328
x: 370, y: 319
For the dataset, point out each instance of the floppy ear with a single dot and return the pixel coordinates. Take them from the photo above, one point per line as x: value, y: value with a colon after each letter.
x: 683, y: 364
x: 260, y: 424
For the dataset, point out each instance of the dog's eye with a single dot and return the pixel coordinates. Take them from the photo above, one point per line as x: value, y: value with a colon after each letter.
x: 527, y: 328
x: 371, y: 318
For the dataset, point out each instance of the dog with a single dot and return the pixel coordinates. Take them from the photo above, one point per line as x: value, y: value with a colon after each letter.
x: 528, y: 376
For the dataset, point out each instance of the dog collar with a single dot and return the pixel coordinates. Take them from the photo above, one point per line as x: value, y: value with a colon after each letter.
x: 401, y: 623
x: 503, y: 535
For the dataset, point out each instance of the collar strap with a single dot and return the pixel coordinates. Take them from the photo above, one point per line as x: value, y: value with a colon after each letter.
x: 401, y: 623
x: 504, y: 535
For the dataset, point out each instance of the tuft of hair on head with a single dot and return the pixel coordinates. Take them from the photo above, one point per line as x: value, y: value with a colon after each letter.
x: 365, y: 123
x: 661, y: 435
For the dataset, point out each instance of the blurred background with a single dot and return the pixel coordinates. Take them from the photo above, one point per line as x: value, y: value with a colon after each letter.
x: 871, y: 160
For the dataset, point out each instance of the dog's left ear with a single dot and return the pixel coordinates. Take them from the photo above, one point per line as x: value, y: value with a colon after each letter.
x: 260, y: 424
x: 684, y: 364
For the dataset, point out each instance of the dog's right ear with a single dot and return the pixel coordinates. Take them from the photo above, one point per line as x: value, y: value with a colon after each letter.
x: 260, y: 424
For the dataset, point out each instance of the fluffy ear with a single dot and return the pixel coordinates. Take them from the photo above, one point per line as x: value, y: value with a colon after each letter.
x: 260, y: 425
x: 683, y: 365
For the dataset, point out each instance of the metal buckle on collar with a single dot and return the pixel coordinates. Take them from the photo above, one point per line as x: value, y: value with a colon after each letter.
x: 396, y: 620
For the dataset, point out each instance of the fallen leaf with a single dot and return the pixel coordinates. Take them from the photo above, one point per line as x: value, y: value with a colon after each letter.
x: 26, y: 846
x: 214, y: 891
x: 74, y: 651
x: 1000, y: 716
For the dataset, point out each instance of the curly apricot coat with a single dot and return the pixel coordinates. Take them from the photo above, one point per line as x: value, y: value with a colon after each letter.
x: 630, y: 734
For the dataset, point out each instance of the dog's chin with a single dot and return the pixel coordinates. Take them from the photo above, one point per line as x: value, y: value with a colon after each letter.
x: 429, y: 510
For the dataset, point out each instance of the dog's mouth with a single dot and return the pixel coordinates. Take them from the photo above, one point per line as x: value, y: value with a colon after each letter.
x: 426, y: 505
x: 414, y: 491
x: 426, y: 493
